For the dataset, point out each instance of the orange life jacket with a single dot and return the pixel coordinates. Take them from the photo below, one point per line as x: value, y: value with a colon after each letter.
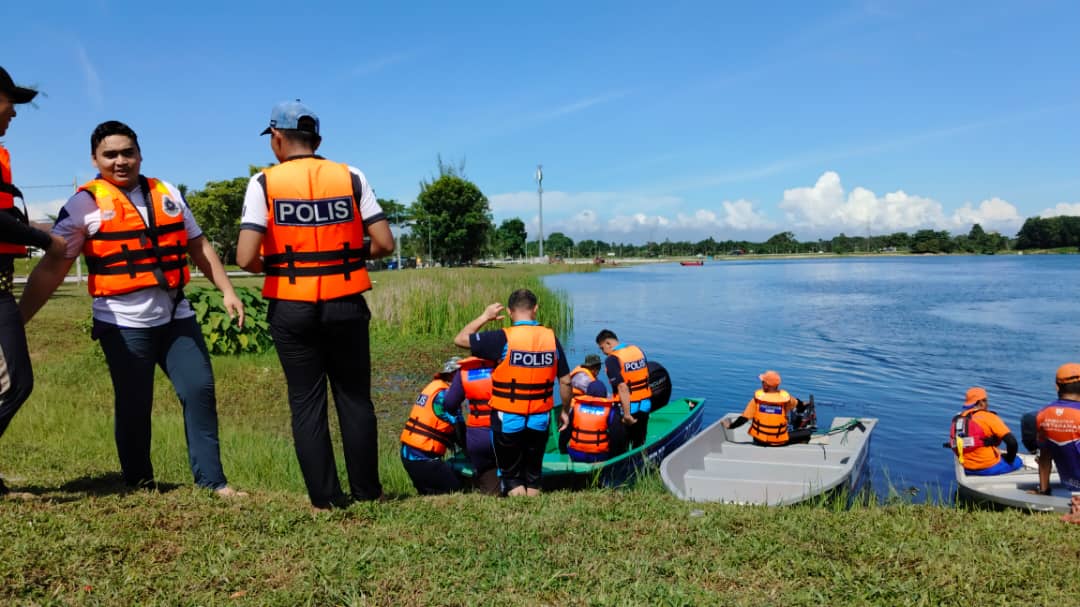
x: 635, y: 371
x: 8, y: 192
x: 770, y: 424
x: 590, y: 430
x: 127, y: 253
x: 312, y: 250
x: 476, y: 382
x: 966, y: 435
x: 522, y: 381
x: 579, y: 369
x: 424, y: 430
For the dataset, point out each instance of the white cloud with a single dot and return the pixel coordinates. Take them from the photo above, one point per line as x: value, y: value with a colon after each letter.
x: 40, y: 211
x: 1062, y: 208
x: 627, y: 217
x: 825, y: 208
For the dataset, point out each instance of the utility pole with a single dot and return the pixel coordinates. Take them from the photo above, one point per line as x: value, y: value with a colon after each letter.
x: 540, y: 193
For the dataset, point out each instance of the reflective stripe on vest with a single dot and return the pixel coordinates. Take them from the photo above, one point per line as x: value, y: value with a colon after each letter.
x: 129, y: 253
x: 424, y: 430
x: 580, y: 369
x: 770, y: 424
x: 635, y: 371
x: 522, y: 381
x: 8, y: 193
x: 966, y: 435
x: 476, y: 382
x: 312, y: 250
x: 590, y: 430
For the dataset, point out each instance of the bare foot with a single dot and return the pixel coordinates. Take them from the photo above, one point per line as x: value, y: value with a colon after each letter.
x: 228, y: 492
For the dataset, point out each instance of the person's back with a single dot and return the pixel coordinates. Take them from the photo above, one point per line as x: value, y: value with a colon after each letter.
x: 628, y: 371
x: 975, y: 434
x: 428, y: 433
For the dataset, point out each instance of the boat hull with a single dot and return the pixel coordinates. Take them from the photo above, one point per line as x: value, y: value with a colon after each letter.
x: 723, y: 465
x: 1011, y: 490
x: 669, y: 428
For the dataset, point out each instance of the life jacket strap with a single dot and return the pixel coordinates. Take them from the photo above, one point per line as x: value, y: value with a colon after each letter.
x: 417, y: 427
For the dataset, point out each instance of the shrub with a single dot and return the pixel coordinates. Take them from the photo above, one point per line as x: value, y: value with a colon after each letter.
x: 221, y: 333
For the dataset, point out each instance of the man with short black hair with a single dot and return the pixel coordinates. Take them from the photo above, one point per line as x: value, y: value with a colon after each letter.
x: 628, y: 371
x: 530, y: 360
x: 136, y: 234
x: 16, y: 233
x: 311, y: 225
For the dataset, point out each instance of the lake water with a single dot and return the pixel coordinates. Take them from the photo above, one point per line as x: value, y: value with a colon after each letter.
x: 899, y: 339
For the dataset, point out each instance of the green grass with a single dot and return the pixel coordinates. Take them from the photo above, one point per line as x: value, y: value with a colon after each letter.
x: 85, y: 541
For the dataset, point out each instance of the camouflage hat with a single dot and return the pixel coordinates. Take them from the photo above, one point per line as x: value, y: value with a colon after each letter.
x: 591, y: 360
x: 450, y: 366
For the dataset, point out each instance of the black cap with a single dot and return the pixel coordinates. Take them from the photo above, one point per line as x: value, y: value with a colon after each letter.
x: 18, y: 94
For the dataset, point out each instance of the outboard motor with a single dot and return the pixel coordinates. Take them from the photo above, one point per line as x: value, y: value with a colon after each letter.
x: 660, y: 384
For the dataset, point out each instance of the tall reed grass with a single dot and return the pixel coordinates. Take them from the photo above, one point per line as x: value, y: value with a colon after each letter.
x: 438, y: 303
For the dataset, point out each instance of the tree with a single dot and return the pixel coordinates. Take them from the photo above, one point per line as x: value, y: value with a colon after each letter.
x: 453, y: 215
x: 510, y: 238
x: 558, y: 244
x: 397, y: 214
x: 217, y: 209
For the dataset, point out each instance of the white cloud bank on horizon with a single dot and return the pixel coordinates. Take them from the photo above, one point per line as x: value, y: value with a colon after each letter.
x: 1062, y: 208
x: 822, y: 210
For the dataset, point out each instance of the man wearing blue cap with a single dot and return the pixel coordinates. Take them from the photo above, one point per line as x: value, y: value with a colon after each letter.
x: 310, y: 225
x: 16, y: 375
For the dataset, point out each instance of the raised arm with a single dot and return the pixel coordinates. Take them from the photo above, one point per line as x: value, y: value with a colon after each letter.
x: 490, y: 313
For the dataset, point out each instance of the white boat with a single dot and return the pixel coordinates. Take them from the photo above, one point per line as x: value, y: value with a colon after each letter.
x: 1011, y: 489
x: 724, y: 465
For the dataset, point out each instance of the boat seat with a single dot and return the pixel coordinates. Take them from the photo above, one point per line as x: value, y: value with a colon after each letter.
x: 701, y: 485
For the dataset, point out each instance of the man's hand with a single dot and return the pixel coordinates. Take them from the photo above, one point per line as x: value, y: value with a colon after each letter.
x: 726, y: 423
x: 492, y: 312
x: 564, y: 420
x: 234, y: 307
x: 629, y: 420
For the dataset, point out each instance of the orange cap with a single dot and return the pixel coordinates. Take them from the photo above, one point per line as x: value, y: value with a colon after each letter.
x: 973, y: 396
x: 770, y: 378
x: 1068, y: 373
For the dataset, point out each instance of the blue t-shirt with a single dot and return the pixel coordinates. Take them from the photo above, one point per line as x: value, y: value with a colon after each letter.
x: 491, y: 345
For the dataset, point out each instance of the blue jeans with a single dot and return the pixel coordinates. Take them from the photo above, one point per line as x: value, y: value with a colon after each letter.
x: 178, y: 348
x: 1002, y: 467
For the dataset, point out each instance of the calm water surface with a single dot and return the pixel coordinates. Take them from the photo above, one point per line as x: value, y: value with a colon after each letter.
x: 899, y: 339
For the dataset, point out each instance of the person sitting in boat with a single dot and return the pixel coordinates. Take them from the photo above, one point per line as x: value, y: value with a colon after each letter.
x: 1059, y: 433
x: 590, y: 429
x: 628, y: 371
x: 583, y: 375
x: 472, y: 383
x: 768, y: 413
x: 428, y: 433
x: 975, y: 434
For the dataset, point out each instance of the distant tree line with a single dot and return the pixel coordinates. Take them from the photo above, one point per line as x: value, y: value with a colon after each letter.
x: 450, y: 222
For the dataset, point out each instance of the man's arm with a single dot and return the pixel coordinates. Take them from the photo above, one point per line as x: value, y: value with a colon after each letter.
x: 490, y: 313
x: 624, y: 398
x: 207, y: 260
x: 248, y: 248
x: 47, y: 275
x: 1044, y: 471
x: 382, y: 239
x: 14, y: 231
x: 1011, y: 447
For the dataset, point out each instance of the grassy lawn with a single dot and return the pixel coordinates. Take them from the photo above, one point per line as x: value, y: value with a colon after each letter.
x: 86, y: 541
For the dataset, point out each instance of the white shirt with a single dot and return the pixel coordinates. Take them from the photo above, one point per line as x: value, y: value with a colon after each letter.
x: 254, y: 215
x: 150, y: 307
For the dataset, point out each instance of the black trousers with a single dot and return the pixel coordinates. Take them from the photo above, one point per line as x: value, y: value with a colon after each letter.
x: 520, y: 455
x: 16, y: 375
x: 635, y: 433
x: 324, y: 341
x: 431, y: 477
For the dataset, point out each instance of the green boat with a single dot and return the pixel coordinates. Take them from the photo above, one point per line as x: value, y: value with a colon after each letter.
x: 669, y: 427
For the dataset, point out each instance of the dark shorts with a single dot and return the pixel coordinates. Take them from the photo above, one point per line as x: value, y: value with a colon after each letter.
x: 432, y: 476
x: 480, y: 450
x: 519, y: 455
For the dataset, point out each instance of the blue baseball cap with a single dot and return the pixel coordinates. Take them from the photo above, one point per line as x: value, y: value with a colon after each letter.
x: 287, y: 115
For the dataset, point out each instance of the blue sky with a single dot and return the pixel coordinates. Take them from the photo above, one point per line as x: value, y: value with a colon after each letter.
x: 653, y: 120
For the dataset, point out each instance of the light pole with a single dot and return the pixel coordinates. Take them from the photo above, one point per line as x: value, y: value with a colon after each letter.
x: 540, y: 194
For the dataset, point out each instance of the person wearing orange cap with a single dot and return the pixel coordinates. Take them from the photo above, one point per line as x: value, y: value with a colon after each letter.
x: 1058, y: 433
x: 768, y: 413
x: 975, y: 434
